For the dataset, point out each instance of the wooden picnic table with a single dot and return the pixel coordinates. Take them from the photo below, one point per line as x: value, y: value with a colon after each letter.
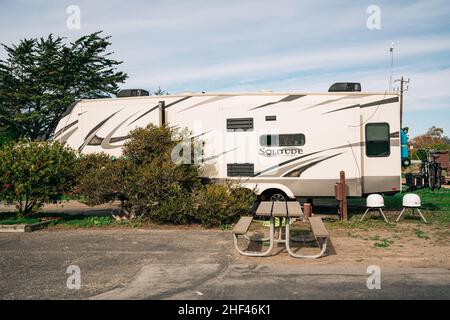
x: 283, y: 210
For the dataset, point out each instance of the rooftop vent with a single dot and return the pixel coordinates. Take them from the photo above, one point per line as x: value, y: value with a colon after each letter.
x: 132, y: 93
x: 345, y: 87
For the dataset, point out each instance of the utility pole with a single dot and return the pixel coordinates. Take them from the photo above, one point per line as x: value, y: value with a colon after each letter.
x: 401, y: 103
x: 402, y: 89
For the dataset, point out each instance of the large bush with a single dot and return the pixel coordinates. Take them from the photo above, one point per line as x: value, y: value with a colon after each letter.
x: 33, y: 173
x: 145, y: 179
x: 152, y: 186
x: 101, y: 179
x: 221, y: 204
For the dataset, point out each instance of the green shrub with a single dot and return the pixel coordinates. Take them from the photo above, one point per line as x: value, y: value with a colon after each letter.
x: 154, y: 182
x: 153, y: 187
x: 7, y: 135
x: 421, y: 153
x: 144, y: 179
x: 33, y: 173
x: 19, y: 220
x: 150, y: 143
x: 221, y: 204
x: 176, y: 210
x: 101, y: 179
x: 148, y: 186
x: 85, y: 222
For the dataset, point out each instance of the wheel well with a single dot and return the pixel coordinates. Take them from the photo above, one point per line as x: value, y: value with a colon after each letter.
x: 271, y: 191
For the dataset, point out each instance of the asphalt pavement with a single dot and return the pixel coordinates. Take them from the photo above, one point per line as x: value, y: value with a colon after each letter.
x: 185, y: 264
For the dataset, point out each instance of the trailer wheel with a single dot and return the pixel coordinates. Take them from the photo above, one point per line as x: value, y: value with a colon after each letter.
x: 278, y: 197
x: 274, y: 195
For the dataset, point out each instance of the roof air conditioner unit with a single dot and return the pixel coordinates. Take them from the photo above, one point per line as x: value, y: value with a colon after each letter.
x: 345, y: 87
x: 132, y: 93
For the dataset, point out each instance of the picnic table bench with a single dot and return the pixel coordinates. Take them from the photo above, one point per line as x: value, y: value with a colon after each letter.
x: 242, y: 226
x: 320, y: 234
x: 283, y: 210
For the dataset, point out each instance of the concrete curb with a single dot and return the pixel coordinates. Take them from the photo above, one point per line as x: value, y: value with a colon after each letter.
x: 24, y: 227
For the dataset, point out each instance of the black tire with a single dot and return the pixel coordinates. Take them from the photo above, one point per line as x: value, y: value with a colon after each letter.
x: 274, y: 195
x: 438, y: 178
x: 432, y: 177
x: 406, y: 163
x: 423, y: 170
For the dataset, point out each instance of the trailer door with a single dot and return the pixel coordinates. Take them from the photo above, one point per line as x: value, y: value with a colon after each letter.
x: 381, y: 159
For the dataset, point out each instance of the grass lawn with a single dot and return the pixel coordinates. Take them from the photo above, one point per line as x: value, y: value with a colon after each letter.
x: 436, y: 204
x: 438, y: 200
x: 8, y: 218
x: 93, y: 222
x: 404, y: 235
x: 18, y: 220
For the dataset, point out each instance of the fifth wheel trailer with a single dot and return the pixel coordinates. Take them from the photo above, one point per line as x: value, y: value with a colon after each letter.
x: 293, y: 144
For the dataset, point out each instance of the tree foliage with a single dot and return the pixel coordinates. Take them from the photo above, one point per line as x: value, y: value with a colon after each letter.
x: 145, y: 176
x: 40, y: 78
x: 160, y: 92
x: 433, y: 139
x: 152, y: 186
x: 33, y: 173
x: 221, y: 204
x: 100, y: 178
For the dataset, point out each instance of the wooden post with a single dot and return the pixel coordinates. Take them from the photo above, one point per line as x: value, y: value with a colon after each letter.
x: 162, y: 113
x: 343, y: 203
x: 339, y: 196
x: 307, y: 211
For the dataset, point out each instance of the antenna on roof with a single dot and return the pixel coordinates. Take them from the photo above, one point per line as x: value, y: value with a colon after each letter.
x: 391, y: 50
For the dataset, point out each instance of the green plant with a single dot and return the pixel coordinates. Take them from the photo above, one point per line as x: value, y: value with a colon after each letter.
x: 150, y: 143
x: 221, y: 204
x: 146, y: 180
x: 176, y: 209
x: 19, y: 220
x: 99, y: 221
x: 100, y: 178
x: 300, y: 232
x: 153, y: 185
x: 40, y: 78
x: 136, y: 223
x: 432, y: 201
x: 383, y: 244
x: 35, y: 172
x: 85, y: 222
x: 421, y: 234
x: 157, y: 187
x: 7, y: 135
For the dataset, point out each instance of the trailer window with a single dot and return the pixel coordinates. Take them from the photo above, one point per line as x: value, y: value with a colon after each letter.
x: 282, y: 140
x: 377, y: 140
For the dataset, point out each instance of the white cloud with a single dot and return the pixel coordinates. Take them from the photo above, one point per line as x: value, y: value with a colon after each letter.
x: 276, y: 64
x: 259, y: 44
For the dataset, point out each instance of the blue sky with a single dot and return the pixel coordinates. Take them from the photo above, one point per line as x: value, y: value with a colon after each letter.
x: 302, y: 46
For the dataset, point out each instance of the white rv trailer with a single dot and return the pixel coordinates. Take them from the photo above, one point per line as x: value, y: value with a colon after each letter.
x: 289, y: 144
